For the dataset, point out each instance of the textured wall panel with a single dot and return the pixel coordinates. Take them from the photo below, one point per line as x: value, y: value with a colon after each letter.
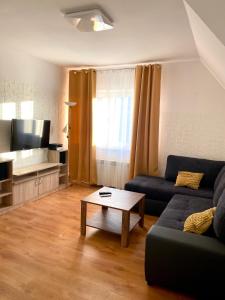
x: 192, y: 118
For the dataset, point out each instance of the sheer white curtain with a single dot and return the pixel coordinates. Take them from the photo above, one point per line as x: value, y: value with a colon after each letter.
x: 112, y: 117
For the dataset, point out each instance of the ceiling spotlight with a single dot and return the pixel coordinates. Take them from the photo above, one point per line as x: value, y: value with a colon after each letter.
x: 89, y: 20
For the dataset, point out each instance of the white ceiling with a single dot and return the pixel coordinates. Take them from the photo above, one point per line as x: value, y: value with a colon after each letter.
x: 145, y: 30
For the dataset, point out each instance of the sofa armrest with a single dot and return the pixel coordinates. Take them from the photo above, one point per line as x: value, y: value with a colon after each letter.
x: 176, y: 258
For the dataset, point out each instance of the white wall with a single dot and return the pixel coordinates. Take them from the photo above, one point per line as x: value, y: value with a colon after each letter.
x: 192, y: 120
x: 26, y: 78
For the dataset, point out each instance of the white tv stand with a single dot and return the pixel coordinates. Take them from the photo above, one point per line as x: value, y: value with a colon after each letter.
x: 34, y: 181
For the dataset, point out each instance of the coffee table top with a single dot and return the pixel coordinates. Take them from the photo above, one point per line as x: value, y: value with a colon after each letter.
x: 120, y: 199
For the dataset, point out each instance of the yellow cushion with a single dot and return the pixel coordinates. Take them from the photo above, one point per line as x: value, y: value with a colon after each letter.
x: 189, y: 179
x: 199, y: 222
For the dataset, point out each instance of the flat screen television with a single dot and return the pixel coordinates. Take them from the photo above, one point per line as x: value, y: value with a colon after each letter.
x: 29, y: 134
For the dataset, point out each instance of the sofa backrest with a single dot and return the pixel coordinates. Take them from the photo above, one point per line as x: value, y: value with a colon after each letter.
x: 219, y: 186
x: 210, y: 168
x: 219, y: 218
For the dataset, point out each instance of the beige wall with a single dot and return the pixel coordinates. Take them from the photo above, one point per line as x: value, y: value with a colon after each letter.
x: 26, y: 78
x: 192, y: 120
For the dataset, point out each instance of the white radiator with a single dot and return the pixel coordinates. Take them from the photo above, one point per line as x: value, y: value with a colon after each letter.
x: 112, y: 173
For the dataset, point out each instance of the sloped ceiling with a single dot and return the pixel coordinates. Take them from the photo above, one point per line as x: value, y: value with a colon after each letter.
x: 207, y: 23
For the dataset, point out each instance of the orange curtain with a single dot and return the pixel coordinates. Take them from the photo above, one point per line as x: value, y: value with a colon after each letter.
x: 144, y: 147
x: 82, y: 160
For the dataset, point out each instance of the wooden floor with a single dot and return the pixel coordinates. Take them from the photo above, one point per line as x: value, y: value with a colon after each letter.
x: 42, y: 255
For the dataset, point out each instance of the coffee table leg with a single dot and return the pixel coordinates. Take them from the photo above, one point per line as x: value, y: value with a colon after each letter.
x: 125, y: 228
x: 104, y: 208
x: 141, y: 212
x: 83, y: 218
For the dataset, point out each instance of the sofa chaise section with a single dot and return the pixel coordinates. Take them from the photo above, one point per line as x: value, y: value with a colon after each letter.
x: 184, y: 261
x: 188, y: 261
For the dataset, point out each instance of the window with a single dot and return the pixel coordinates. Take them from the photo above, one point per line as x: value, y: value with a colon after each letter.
x: 112, y: 125
x: 115, y: 114
x: 112, y: 113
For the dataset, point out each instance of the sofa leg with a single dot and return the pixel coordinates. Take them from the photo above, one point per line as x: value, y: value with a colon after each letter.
x: 148, y: 282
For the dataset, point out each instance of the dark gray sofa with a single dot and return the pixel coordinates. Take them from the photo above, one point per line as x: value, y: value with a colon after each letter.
x: 159, y: 191
x: 173, y: 258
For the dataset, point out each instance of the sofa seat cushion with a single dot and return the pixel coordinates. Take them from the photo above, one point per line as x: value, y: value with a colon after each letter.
x: 179, y: 208
x: 158, y: 188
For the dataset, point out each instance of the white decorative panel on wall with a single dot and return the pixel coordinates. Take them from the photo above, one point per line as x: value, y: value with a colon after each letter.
x: 192, y: 121
x: 21, y: 100
x: 30, y: 88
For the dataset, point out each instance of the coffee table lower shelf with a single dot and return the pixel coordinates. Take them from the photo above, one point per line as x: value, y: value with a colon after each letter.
x: 111, y: 220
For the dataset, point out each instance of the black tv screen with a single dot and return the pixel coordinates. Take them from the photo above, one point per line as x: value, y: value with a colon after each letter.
x: 29, y: 134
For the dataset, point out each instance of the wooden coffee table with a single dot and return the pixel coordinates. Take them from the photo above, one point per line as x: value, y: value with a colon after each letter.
x: 115, y: 215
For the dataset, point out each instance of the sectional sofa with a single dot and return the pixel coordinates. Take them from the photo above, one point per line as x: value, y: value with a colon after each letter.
x: 175, y: 258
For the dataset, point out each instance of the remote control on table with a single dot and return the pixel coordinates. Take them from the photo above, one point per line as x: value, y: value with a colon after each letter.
x: 105, y: 194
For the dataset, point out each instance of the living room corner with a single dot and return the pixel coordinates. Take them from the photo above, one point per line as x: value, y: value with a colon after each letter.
x: 112, y: 151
